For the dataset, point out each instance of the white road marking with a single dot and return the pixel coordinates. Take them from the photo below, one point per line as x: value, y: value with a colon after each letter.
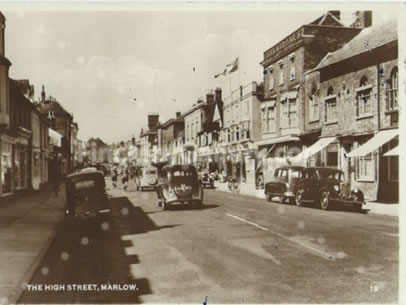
x: 249, y: 222
x: 321, y: 253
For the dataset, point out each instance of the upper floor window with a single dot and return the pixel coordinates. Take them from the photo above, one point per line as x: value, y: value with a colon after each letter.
x: 268, y: 119
x: 270, y: 78
x: 288, y: 115
x: 363, y: 102
x: 281, y: 74
x: 392, y: 90
x: 330, y: 101
x: 314, y: 106
x: 237, y: 133
x: 292, y: 70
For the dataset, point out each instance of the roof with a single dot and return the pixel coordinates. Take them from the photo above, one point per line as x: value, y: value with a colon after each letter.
x: 85, y: 174
x: 367, y: 40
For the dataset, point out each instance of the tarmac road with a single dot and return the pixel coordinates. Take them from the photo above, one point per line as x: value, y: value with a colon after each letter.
x: 236, y: 249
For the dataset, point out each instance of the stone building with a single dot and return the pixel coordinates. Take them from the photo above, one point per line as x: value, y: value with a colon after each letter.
x: 284, y: 66
x: 149, y: 141
x: 352, y: 99
x: 167, y: 134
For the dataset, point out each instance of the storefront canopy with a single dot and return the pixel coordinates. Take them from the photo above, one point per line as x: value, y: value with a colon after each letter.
x: 377, y: 141
x: 393, y: 152
x: 55, y: 138
x: 315, y: 148
x: 287, y: 138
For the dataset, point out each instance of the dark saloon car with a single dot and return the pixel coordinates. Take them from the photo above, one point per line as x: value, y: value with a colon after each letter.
x: 85, y: 195
x: 327, y: 187
x: 207, y: 180
x: 179, y: 184
x: 284, y: 183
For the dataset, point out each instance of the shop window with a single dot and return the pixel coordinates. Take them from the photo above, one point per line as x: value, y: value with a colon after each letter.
x: 332, y: 155
x: 365, y: 166
x: 393, y: 163
x: 363, y: 102
x: 392, y: 90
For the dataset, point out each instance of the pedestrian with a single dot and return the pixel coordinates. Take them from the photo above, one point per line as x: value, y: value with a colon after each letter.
x: 114, y: 176
x: 56, y: 176
x: 125, y: 179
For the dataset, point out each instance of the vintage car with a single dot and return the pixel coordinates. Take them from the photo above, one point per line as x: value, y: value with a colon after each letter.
x: 207, y: 180
x: 327, y: 187
x: 179, y: 184
x: 284, y: 183
x: 86, y: 195
x: 147, y: 178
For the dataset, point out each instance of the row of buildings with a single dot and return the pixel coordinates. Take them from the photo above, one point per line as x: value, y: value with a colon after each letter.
x: 329, y: 97
x: 38, y: 139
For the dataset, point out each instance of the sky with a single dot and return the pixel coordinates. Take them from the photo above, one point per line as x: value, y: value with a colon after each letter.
x: 96, y: 61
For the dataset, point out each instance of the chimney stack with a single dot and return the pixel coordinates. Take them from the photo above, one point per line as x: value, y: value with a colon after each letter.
x: 209, y: 98
x: 336, y: 14
x: 178, y: 114
x: 43, y: 95
x: 153, y: 120
x: 362, y: 19
x: 218, y: 95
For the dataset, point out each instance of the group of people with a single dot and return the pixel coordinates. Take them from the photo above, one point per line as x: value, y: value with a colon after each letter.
x: 126, y: 174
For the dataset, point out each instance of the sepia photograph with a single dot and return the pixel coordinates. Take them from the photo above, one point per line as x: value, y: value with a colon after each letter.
x: 201, y: 153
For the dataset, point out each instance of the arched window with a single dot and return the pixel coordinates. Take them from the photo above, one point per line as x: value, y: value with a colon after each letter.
x: 363, y: 102
x: 392, y: 90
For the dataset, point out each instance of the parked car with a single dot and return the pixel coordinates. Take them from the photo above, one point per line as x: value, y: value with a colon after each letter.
x: 284, y: 183
x: 86, y: 195
x: 327, y: 187
x: 147, y: 178
x: 179, y: 184
x: 207, y: 180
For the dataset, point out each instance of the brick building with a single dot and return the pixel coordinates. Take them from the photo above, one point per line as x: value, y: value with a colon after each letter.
x: 351, y: 96
x: 242, y: 127
x: 284, y: 66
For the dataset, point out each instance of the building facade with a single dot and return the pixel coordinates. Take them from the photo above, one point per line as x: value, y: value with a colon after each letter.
x: 284, y: 65
x: 353, y: 99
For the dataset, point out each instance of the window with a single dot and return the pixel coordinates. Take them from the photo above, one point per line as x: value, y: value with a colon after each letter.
x: 228, y: 135
x: 270, y: 78
x: 237, y: 133
x: 363, y: 103
x: 392, y: 90
x: 281, y: 74
x: 393, y: 163
x: 314, y: 106
x: 365, y: 167
x: 332, y: 155
x: 292, y: 73
x: 288, y: 116
x: 268, y: 119
x: 330, y: 106
x: 187, y: 132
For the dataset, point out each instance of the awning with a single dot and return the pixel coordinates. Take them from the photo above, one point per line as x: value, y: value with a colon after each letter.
x: 315, y: 148
x: 377, y: 141
x: 281, y: 139
x: 393, y: 152
x: 55, y: 138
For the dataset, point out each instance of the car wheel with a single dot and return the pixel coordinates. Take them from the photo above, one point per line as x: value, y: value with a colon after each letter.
x: 268, y: 197
x: 299, y: 197
x: 325, y: 203
x: 357, y: 207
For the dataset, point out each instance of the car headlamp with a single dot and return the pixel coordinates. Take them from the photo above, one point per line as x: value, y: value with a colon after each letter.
x: 355, y: 190
x: 336, y: 188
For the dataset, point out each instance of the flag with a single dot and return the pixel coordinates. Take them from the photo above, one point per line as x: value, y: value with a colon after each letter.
x: 224, y: 73
x: 233, y: 66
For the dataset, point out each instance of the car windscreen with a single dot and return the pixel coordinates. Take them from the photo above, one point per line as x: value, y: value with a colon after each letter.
x: 296, y: 173
x: 334, y: 175
x: 182, y: 174
x: 85, y: 185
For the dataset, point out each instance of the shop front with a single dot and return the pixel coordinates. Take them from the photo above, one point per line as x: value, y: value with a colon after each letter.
x: 6, y: 165
x: 21, y: 174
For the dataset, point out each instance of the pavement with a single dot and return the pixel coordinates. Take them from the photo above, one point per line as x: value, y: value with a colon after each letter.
x: 28, y: 224
x: 372, y: 207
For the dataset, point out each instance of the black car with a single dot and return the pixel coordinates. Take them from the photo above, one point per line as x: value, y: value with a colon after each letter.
x: 207, y: 180
x: 327, y: 187
x: 86, y: 195
x: 179, y: 184
x: 284, y: 183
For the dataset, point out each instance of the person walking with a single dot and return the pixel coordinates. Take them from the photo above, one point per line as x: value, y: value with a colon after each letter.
x: 125, y: 179
x: 56, y: 176
x: 114, y: 176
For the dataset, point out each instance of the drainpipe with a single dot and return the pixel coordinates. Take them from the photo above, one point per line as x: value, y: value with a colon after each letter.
x: 378, y: 115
